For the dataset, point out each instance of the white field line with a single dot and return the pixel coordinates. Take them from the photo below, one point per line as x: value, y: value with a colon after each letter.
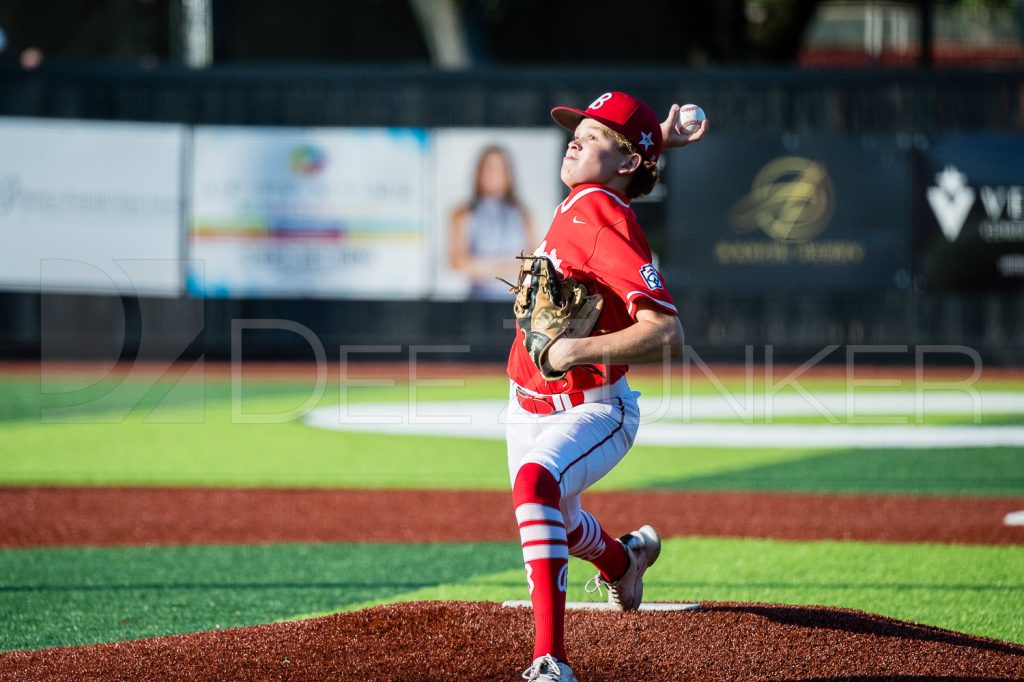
x: 668, y: 423
x: 758, y: 406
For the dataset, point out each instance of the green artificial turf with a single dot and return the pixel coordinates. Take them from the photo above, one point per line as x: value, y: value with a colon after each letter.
x: 939, y: 471
x: 291, y: 454
x: 194, y: 433
x: 974, y: 589
x: 52, y: 597
x: 58, y: 597
x: 142, y: 431
x: 862, y: 419
x: 191, y: 434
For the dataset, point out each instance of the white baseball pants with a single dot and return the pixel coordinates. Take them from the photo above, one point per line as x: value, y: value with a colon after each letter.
x: 578, y: 446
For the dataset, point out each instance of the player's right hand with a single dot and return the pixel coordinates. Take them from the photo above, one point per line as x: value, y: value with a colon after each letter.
x: 673, y: 135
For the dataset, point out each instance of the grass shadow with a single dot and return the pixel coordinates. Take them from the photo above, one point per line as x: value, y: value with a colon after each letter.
x: 952, y: 471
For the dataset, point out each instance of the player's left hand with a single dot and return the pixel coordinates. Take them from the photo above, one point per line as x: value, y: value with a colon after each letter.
x: 549, y: 307
x: 673, y: 134
x: 559, y: 356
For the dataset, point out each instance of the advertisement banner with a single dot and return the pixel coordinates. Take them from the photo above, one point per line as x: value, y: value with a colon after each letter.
x: 495, y: 191
x: 307, y: 212
x: 791, y: 212
x: 90, y: 207
x: 969, y: 212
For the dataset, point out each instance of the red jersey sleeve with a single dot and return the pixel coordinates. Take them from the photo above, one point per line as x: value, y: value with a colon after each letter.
x: 622, y: 261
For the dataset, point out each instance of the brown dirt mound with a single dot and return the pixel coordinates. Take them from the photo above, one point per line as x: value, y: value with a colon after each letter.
x: 39, y: 517
x: 483, y: 641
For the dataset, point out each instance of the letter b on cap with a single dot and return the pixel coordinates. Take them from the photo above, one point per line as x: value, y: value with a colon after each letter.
x: 599, y: 102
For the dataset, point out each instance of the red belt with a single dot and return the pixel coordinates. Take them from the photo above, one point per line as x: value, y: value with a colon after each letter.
x: 546, y: 404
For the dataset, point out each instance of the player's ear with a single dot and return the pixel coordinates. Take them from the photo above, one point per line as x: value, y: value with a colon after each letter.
x: 630, y: 164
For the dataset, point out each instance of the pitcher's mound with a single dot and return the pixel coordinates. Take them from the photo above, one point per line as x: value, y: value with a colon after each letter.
x: 484, y: 641
x: 605, y: 606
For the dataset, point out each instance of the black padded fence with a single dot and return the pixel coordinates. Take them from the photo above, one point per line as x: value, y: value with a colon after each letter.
x: 720, y: 323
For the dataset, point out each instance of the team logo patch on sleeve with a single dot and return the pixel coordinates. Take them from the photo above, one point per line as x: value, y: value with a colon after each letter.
x: 651, y: 277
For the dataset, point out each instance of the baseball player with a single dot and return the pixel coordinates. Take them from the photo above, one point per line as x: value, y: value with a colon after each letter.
x: 572, y: 416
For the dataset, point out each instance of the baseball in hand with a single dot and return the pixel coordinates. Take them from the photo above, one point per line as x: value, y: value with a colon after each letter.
x: 690, y: 117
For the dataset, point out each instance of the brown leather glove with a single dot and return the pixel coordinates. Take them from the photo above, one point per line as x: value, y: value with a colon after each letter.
x: 549, y: 307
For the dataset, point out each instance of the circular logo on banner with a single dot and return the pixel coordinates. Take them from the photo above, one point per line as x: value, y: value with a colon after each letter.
x: 308, y: 160
x: 791, y: 199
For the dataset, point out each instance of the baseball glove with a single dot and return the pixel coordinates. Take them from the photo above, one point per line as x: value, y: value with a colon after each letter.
x: 548, y: 307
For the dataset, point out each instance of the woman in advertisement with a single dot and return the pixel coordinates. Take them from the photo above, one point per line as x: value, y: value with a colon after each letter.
x: 491, y: 228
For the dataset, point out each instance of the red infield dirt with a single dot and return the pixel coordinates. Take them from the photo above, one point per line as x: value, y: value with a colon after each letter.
x: 482, y: 641
x: 35, y: 517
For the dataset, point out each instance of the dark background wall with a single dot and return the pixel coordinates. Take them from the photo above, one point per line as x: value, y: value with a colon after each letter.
x: 719, y: 324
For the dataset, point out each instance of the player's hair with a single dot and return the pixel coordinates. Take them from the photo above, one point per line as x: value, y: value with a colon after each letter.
x: 645, y: 177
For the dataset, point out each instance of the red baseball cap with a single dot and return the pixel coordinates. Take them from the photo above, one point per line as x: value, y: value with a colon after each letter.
x: 622, y: 113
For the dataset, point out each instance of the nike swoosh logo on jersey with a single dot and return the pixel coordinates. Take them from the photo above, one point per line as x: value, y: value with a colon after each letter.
x: 576, y: 220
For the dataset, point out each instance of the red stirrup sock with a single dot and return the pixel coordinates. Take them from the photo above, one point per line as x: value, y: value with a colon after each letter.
x: 536, y: 496
x: 589, y: 541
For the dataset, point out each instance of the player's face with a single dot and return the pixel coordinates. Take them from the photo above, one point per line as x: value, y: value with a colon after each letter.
x: 592, y: 156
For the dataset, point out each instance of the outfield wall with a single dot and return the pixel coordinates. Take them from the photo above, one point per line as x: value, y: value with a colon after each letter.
x: 896, y: 262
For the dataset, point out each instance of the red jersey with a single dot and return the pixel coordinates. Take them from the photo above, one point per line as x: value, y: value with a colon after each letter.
x: 595, y: 238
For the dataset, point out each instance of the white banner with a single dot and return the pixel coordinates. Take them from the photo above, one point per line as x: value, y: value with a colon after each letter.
x: 84, y: 206
x: 284, y: 212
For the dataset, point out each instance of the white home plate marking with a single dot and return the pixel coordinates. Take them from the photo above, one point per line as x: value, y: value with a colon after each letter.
x: 605, y: 606
x: 1014, y: 519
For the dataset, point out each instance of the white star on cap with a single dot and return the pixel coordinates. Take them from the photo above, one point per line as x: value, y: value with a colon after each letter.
x: 645, y: 140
